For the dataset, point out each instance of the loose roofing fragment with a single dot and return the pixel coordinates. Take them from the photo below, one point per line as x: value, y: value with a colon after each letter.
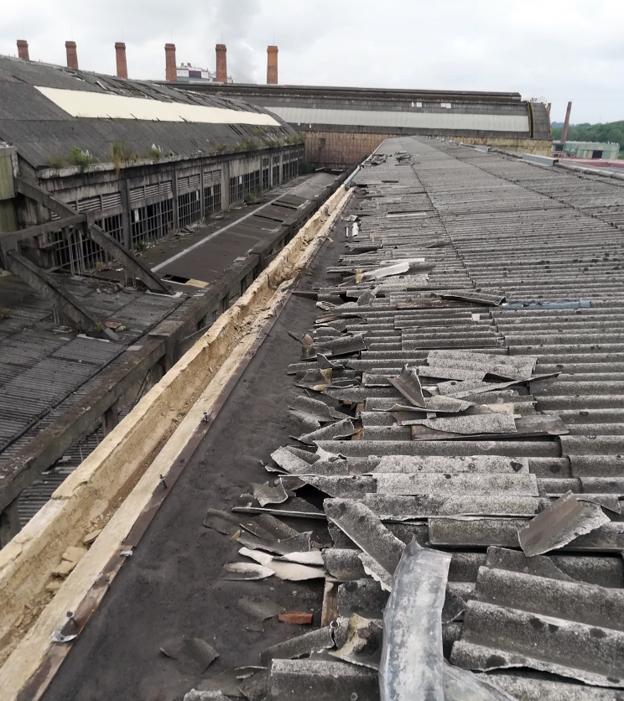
x: 363, y: 642
x: 190, y: 651
x: 259, y: 607
x: 488, y: 299
x: 366, y: 530
x: 344, y: 345
x: 339, y: 429
x: 567, y: 518
x: 289, y: 462
x: 270, y: 493
x: 291, y: 571
x: 511, y: 367
x: 321, y: 680
x: 312, y: 641
x: 245, y: 571
x: 408, y: 384
x: 434, y: 405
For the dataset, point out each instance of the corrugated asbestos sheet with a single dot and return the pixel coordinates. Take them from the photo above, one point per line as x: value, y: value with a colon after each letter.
x: 462, y: 392
x: 43, y: 132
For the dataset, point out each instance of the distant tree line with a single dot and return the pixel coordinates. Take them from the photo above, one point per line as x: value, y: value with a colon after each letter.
x: 611, y: 131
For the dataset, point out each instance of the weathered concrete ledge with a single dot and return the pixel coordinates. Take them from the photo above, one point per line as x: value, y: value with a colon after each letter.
x: 115, y: 484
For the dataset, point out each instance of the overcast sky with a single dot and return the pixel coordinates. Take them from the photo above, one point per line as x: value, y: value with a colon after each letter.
x: 553, y: 49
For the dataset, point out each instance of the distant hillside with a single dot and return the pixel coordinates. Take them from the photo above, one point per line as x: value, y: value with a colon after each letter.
x: 611, y: 131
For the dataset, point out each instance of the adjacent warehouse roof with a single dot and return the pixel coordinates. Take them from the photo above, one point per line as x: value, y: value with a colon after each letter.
x: 396, y: 111
x: 47, y: 111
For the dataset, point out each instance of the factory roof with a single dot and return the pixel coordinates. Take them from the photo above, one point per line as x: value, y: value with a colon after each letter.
x: 48, y: 111
x: 455, y: 419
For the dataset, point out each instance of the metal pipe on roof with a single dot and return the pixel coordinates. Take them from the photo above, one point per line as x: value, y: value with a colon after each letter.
x: 566, y: 124
x: 22, y: 50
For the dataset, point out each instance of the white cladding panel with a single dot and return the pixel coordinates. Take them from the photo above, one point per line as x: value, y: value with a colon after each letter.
x: 414, y: 120
x: 83, y: 103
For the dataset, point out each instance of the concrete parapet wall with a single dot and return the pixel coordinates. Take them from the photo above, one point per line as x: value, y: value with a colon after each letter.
x: 117, y: 482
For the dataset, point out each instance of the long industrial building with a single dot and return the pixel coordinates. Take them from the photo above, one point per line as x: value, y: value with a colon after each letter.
x: 348, y: 433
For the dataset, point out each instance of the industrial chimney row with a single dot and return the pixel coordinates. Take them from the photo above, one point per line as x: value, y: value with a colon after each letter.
x: 121, y: 63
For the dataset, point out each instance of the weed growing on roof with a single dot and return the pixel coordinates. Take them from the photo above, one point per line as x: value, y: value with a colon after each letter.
x: 121, y: 154
x: 81, y: 157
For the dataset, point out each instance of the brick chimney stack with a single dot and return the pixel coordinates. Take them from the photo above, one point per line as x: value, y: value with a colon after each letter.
x: 272, y: 65
x: 72, y: 55
x: 22, y: 50
x: 170, y: 62
x: 221, y: 76
x: 120, y: 59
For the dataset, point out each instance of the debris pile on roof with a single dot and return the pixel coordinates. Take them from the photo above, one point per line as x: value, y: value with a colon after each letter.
x: 465, y: 446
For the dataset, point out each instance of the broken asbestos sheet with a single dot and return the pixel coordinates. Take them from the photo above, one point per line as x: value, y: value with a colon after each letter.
x: 567, y: 518
x: 510, y: 367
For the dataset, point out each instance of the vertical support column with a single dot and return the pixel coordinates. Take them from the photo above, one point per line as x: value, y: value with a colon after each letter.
x: 111, y: 418
x: 9, y: 523
x: 120, y: 60
x: 176, y: 212
x: 170, y: 62
x: 272, y: 65
x: 72, y: 55
x: 221, y: 51
x: 22, y: 50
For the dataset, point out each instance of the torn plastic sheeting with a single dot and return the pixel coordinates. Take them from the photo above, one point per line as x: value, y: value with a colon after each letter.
x: 564, y: 520
x: 511, y: 367
x: 412, y: 659
x: 408, y: 384
x: 340, y: 429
